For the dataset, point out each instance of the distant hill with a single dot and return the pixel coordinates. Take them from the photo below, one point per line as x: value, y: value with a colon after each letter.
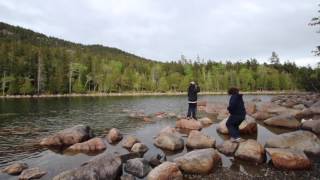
x: 32, y: 63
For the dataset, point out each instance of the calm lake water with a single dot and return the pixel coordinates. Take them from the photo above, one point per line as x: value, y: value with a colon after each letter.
x: 23, y: 122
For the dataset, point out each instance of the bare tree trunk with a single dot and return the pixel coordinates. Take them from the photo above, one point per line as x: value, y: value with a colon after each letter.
x: 70, y: 78
x: 3, y: 82
x: 39, y: 74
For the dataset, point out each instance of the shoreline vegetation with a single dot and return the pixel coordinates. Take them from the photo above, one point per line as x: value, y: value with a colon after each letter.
x: 147, y: 94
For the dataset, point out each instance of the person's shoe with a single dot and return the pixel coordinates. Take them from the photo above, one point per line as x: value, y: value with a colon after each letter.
x: 239, y: 140
x: 232, y: 139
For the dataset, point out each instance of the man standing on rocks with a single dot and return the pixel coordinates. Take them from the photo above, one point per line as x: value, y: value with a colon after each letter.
x: 237, y: 114
x: 192, y: 100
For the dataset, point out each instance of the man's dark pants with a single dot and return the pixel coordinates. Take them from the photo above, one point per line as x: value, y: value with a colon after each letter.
x: 192, y: 110
x: 233, y: 124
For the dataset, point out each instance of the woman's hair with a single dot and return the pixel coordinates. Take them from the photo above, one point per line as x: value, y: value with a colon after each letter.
x: 233, y: 90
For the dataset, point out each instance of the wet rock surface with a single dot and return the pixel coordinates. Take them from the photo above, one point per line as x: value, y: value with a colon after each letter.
x: 94, y: 144
x: 138, y: 167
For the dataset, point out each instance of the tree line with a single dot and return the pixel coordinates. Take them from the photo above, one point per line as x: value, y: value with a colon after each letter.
x: 32, y: 63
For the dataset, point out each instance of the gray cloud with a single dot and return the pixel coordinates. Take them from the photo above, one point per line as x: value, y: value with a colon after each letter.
x: 163, y: 30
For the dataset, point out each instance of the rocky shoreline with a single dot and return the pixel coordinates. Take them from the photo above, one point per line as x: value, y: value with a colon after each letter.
x: 285, y: 153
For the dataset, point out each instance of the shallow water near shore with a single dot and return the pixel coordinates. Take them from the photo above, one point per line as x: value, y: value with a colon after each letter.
x: 23, y: 122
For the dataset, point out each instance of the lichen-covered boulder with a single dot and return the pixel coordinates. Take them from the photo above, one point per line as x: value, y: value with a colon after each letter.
x: 198, y: 140
x: 68, y: 136
x: 251, y: 150
x: 289, y: 159
x: 165, y: 171
x: 301, y: 140
x: 199, y: 161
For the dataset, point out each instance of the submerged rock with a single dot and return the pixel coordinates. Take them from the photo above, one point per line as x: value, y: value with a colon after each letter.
x: 169, y: 141
x: 15, y: 169
x: 95, y: 144
x: 289, y: 159
x: 129, y: 141
x: 198, y: 140
x: 138, y: 167
x: 199, y: 161
x: 251, y: 150
x: 284, y: 120
x: 248, y: 126
x: 227, y: 147
x: 301, y: 140
x: 114, y: 136
x: 32, y: 173
x: 188, y: 124
x: 139, y: 148
x: 104, y: 166
x: 165, y: 171
x: 68, y: 136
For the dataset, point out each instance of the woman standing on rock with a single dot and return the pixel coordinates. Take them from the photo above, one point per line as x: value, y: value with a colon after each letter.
x: 192, y: 100
x: 237, y: 114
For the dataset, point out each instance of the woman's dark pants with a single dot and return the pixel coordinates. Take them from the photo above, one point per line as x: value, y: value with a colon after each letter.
x: 233, y: 124
x: 192, y: 110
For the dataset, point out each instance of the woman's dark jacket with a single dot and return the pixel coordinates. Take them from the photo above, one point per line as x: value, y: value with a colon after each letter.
x: 192, y: 93
x: 236, y: 105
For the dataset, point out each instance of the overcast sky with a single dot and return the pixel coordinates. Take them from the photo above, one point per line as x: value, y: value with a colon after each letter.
x: 165, y: 29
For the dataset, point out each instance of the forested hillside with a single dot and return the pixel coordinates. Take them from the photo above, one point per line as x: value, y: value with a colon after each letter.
x: 33, y: 63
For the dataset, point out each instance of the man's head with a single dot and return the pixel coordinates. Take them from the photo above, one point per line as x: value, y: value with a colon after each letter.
x: 192, y: 82
x: 233, y: 91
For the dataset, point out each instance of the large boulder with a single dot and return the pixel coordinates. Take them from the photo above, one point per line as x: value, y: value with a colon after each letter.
x: 94, y: 144
x: 248, y: 126
x: 165, y: 171
x: 127, y: 177
x: 139, y: 148
x: 205, y: 121
x: 138, y: 167
x: 198, y: 140
x: 312, y: 125
x: 289, y: 159
x: 284, y: 120
x: 227, y: 147
x: 68, y: 136
x: 305, y: 114
x: 15, y: 169
x: 199, y: 161
x: 169, y: 141
x: 32, y: 173
x: 251, y: 150
x: 114, y: 136
x: 104, y: 166
x: 215, y: 108
x: 188, y: 124
x: 167, y: 129
x: 129, y: 141
x: 300, y: 140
